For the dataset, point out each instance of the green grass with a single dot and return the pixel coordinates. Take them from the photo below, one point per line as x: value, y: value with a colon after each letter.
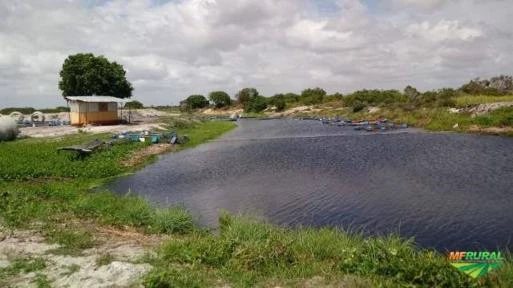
x: 72, y: 269
x: 22, y: 265
x: 72, y: 240
x: 27, y: 159
x: 248, y: 253
x: 244, y: 253
x: 103, y: 260
x: 31, y: 187
x: 469, y: 100
x: 204, y: 132
x: 42, y: 281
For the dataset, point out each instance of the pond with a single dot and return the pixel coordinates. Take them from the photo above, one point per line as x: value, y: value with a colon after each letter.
x: 449, y: 191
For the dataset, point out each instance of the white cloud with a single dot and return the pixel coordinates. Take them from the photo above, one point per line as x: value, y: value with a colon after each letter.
x: 443, y: 30
x: 187, y: 47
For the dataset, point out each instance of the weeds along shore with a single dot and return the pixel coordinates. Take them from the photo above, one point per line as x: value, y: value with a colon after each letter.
x: 49, y: 194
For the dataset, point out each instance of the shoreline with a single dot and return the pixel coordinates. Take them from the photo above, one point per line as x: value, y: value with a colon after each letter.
x: 244, y: 253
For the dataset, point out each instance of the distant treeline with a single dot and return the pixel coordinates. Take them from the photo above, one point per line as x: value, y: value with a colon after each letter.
x: 252, y: 101
x: 30, y: 110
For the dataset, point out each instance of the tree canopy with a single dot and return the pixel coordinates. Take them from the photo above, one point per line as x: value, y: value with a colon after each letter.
x: 85, y: 74
x: 220, y: 99
x: 195, y: 102
x: 134, y: 105
x: 312, y: 96
x: 245, y: 95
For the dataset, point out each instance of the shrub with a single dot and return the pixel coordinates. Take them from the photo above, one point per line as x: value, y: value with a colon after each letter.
x: 256, y: 104
x: 172, y: 220
x: 312, y: 96
x: 375, y: 97
x: 134, y: 105
x: 358, y: 106
x: 196, y: 102
x: 220, y: 98
x: 278, y: 101
x: 246, y: 95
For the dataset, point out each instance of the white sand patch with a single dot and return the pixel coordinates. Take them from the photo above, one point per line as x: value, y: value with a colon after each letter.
x: 125, y: 270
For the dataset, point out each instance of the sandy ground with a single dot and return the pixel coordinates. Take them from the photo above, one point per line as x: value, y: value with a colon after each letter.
x: 219, y: 112
x: 47, y: 131
x: 124, y: 270
x: 147, y: 119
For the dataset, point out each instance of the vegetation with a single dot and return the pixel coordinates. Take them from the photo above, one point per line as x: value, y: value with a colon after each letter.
x: 18, y: 159
x: 194, y: 102
x: 105, y: 259
x: 86, y: 74
x: 246, y: 95
x: 244, y: 253
x: 500, y: 85
x: 464, y: 101
x: 30, y: 110
x: 312, y: 96
x: 428, y: 109
x: 256, y: 104
x: 23, y: 266
x: 248, y: 253
x: 134, y: 105
x: 278, y: 101
x: 220, y: 99
x: 60, y: 185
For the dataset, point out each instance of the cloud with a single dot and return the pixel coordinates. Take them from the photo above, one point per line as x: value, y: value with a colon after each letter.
x: 172, y: 49
x: 422, y: 3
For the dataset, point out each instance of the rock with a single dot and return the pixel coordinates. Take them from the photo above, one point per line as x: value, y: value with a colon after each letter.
x: 485, y: 108
x: 373, y: 110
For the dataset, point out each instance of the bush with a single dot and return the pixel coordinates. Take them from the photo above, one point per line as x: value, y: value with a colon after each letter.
x: 358, y: 106
x: 375, y: 97
x: 246, y: 95
x: 334, y: 97
x: 172, y: 220
x: 256, y: 104
x: 312, y: 96
x: 220, y: 98
x: 8, y: 129
x: 278, y: 101
x: 195, y: 102
x: 22, y: 110
x: 134, y: 105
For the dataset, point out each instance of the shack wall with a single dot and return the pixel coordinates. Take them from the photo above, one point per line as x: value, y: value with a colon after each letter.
x: 83, y: 113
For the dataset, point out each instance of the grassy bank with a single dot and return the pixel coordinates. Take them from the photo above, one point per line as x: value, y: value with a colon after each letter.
x: 248, y: 253
x: 39, y: 184
x: 51, y: 193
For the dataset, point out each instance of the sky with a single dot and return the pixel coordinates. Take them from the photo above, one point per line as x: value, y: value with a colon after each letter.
x: 172, y: 49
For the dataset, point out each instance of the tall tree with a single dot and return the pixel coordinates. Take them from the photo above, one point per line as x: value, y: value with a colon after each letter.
x: 196, y: 101
x: 220, y: 99
x: 411, y: 92
x: 85, y: 74
x: 312, y: 96
x: 245, y: 95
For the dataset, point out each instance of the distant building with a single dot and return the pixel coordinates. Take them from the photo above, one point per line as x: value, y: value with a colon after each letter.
x: 97, y: 110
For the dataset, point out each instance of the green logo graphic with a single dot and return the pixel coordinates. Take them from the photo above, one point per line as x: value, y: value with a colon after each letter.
x: 475, y: 264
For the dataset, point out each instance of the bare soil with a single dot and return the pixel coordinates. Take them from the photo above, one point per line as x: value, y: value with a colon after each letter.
x: 126, y: 250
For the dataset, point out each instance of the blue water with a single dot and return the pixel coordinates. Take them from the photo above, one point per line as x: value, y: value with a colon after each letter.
x: 449, y: 191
